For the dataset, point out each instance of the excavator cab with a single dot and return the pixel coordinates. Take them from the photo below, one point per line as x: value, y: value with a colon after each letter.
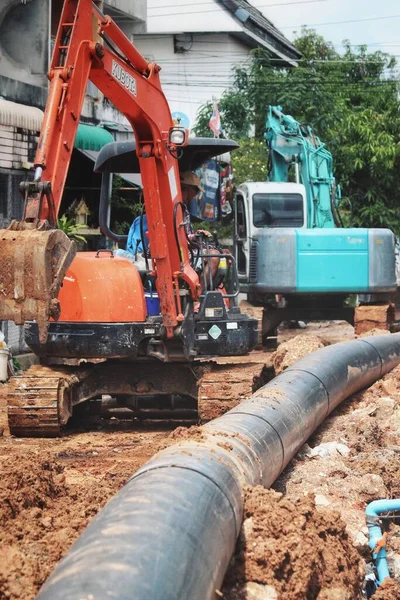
x: 121, y: 158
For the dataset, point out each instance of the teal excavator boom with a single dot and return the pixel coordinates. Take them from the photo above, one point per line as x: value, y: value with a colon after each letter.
x: 291, y: 143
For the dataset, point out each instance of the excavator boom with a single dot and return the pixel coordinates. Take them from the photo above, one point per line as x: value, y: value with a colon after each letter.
x: 34, y: 255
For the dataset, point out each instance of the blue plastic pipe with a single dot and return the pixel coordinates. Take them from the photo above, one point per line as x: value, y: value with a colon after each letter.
x: 372, y: 513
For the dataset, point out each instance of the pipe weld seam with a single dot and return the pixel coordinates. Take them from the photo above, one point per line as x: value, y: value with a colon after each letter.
x: 272, y: 427
x: 376, y: 350
x: 318, y: 379
x: 155, y: 468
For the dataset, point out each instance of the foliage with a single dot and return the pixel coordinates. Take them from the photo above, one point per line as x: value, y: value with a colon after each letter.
x: 352, y: 100
x: 235, y: 114
x: 249, y: 162
x: 71, y: 229
x: 124, y: 210
x: 221, y: 229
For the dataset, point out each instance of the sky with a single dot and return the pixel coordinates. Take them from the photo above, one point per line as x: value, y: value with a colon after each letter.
x: 377, y: 32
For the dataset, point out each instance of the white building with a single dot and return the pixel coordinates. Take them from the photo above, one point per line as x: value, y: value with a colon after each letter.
x: 198, y: 44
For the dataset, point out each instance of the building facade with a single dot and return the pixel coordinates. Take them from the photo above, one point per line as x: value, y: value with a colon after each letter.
x: 199, y: 44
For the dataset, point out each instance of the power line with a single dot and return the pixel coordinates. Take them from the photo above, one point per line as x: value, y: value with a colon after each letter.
x: 341, y: 22
x: 159, y: 36
x: 169, y: 14
x: 201, y: 83
x: 208, y: 3
x: 321, y: 61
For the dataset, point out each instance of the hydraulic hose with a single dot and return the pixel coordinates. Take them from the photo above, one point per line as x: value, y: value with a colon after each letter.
x: 169, y: 534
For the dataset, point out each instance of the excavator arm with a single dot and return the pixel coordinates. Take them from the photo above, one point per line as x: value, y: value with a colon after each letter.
x: 291, y: 143
x: 35, y: 255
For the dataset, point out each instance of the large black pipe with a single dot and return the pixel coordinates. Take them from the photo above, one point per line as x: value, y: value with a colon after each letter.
x: 170, y: 532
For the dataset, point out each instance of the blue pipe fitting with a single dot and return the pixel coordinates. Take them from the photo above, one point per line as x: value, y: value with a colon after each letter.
x: 372, y: 514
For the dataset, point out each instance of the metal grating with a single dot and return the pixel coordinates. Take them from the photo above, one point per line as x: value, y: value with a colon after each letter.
x: 253, y: 263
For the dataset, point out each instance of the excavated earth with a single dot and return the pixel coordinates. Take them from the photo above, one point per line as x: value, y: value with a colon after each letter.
x: 304, y: 540
x: 307, y: 538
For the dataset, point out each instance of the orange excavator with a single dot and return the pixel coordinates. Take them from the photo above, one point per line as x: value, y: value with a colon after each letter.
x: 92, y: 305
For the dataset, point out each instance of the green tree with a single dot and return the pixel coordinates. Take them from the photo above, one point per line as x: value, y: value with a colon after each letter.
x: 124, y: 211
x: 249, y: 162
x: 352, y: 100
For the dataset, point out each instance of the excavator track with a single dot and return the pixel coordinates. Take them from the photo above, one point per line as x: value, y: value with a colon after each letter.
x: 39, y: 402
x: 225, y: 381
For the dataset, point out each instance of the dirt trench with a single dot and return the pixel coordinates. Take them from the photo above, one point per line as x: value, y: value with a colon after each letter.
x: 305, y: 540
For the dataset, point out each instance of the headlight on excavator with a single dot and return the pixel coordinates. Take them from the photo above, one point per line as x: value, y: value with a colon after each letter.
x: 177, y: 136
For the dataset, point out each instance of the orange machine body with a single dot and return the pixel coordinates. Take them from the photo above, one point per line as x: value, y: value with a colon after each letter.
x: 102, y: 289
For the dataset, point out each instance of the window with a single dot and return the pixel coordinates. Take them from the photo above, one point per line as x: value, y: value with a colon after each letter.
x: 278, y: 210
x: 3, y: 194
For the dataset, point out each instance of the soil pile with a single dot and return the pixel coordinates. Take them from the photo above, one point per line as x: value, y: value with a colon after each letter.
x: 294, y: 550
x: 40, y: 517
x: 51, y: 489
x: 293, y: 350
x: 389, y: 590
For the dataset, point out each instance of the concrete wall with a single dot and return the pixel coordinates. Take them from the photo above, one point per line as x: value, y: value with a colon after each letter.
x: 181, y: 15
x: 134, y: 8
x: 24, y: 50
x: 201, y: 69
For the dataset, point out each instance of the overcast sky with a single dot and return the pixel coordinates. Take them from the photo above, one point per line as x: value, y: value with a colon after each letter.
x: 378, y: 32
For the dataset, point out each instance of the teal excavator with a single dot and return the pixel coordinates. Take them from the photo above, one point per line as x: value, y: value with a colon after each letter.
x: 294, y: 256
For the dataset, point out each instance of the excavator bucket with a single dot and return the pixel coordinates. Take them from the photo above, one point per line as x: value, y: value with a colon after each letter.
x: 33, y: 263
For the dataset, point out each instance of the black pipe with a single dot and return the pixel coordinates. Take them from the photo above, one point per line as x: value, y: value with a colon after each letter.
x: 170, y: 532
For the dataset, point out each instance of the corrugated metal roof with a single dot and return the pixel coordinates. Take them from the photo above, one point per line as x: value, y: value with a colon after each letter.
x: 13, y: 114
x: 258, y: 23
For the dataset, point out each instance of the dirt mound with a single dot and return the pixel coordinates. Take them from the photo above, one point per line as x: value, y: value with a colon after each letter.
x: 389, y: 590
x: 193, y: 433
x: 35, y: 487
x: 47, y: 498
x: 288, y: 545
x: 293, y: 350
x: 386, y: 464
x: 374, y: 331
x: 40, y: 516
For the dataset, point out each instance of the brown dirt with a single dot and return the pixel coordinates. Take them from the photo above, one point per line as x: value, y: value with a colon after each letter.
x: 51, y: 489
x: 374, y: 331
x: 291, y: 546
x: 389, y: 590
x: 221, y: 388
x: 195, y: 434
x: 293, y: 350
x: 373, y: 316
x: 329, y: 332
